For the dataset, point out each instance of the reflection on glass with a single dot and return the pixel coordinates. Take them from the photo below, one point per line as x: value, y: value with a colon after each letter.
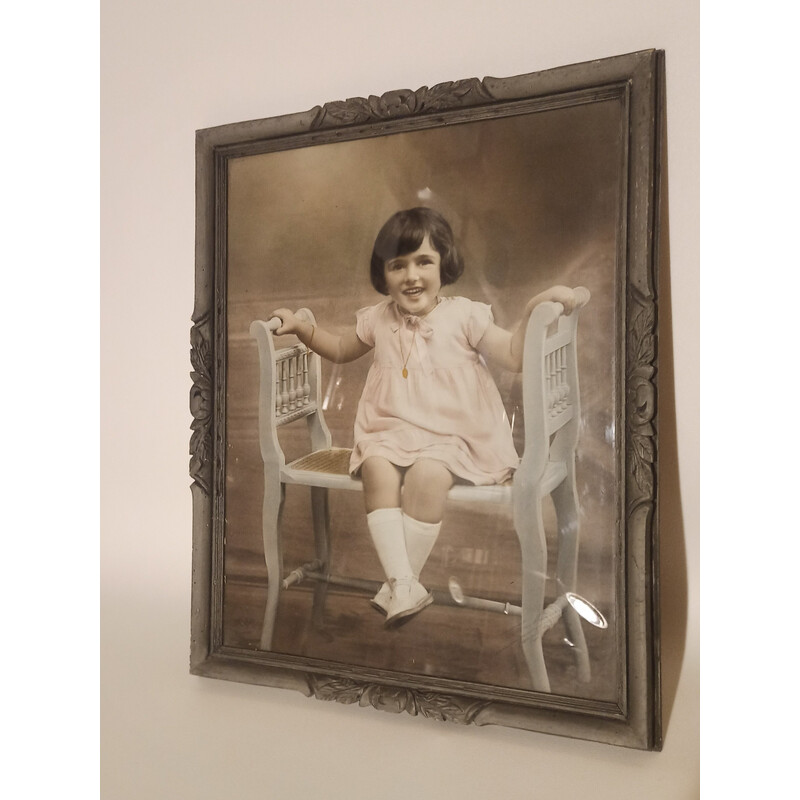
x: 588, y: 611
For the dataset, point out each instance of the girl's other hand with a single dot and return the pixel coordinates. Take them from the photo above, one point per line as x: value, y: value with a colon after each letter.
x: 289, y: 322
x: 563, y: 295
x: 555, y: 294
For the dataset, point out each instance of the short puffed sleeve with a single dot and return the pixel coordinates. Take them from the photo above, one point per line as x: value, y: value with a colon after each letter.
x: 479, y: 320
x: 365, y: 324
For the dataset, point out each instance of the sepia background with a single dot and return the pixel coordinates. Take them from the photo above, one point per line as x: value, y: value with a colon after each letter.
x: 534, y: 200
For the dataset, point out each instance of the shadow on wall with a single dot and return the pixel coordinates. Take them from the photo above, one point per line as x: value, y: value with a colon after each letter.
x: 673, y: 577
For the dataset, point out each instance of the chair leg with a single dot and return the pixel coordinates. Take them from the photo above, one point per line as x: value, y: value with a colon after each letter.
x: 321, y: 521
x: 529, y: 525
x: 274, y: 493
x: 566, y: 506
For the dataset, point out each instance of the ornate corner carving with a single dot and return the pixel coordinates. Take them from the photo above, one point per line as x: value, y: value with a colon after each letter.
x: 402, y: 103
x: 641, y: 399
x: 200, y: 404
x: 446, y: 708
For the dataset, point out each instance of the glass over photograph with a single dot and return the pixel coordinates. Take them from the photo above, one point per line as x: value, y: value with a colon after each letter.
x: 379, y: 408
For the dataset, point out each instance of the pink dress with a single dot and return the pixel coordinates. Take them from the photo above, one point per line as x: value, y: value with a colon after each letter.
x: 448, y: 408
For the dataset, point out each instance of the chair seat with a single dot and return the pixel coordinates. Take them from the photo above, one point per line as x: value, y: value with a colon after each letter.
x: 326, y: 468
x: 330, y: 469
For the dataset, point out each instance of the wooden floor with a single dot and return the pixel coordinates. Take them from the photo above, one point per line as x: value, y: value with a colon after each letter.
x: 442, y: 641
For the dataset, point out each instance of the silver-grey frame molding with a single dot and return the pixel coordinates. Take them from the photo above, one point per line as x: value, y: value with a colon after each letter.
x: 634, y: 722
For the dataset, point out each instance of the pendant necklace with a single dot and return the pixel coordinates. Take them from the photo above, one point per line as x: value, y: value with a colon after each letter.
x: 405, y: 361
x: 414, y: 337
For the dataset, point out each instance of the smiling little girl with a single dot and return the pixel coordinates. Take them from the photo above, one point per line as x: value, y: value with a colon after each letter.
x: 430, y: 413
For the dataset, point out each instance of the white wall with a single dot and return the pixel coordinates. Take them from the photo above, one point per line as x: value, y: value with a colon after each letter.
x: 169, y: 68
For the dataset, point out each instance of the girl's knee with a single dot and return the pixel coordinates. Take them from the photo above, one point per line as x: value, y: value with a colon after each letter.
x: 377, y: 469
x: 425, y: 490
x: 426, y: 472
x: 381, y: 481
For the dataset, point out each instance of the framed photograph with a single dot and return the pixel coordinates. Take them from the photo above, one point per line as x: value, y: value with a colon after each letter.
x: 436, y: 309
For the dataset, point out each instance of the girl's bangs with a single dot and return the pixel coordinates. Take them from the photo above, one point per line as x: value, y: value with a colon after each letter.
x: 400, y: 240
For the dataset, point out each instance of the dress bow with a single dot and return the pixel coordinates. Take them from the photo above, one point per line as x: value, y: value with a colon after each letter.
x: 421, y: 325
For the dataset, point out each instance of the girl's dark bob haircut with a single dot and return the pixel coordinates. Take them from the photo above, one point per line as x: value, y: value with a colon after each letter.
x: 403, y: 233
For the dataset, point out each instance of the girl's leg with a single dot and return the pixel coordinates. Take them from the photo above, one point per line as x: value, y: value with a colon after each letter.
x: 424, y: 496
x: 382, y: 481
x: 402, y: 595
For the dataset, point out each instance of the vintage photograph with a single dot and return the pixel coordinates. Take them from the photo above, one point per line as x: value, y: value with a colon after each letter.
x: 532, y: 202
x: 420, y: 401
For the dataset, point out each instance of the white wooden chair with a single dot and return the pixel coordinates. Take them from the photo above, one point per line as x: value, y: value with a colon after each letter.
x: 290, y: 390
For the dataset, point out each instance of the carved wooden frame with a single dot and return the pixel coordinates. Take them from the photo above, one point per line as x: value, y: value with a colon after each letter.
x: 636, y: 720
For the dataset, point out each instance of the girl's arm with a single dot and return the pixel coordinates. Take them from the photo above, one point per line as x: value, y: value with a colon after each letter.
x: 339, y: 349
x: 505, y: 348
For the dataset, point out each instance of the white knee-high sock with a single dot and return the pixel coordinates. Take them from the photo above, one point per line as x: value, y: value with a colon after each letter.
x: 386, y: 529
x: 420, y: 539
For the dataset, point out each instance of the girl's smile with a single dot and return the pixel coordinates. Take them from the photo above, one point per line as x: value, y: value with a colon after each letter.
x: 414, y: 280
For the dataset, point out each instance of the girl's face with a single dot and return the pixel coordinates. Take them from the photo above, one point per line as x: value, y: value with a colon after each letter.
x: 413, y: 280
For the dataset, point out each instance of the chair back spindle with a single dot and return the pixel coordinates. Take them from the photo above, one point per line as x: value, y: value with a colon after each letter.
x: 551, y: 398
x: 290, y: 389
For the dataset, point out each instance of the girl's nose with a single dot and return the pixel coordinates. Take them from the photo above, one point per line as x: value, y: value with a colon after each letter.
x: 412, y: 273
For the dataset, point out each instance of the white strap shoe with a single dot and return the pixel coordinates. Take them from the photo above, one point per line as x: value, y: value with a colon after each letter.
x: 408, y: 597
x: 381, y: 599
x: 420, y: 537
